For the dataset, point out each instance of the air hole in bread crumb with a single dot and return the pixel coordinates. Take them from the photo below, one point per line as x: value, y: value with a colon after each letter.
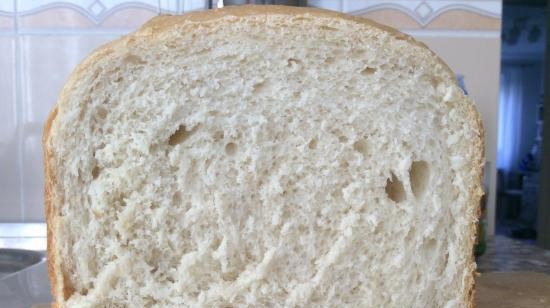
x: 443, y: 264
x: 95, y: 172
x: 291, y: 62
x: 176, y: 198
x: 230, y: 276
x: 419, y: 174
x: 228, y: 58
x: 259, y: 87
x: 205, y: 50
x: 230, y: 148
x: 395, y: 189
x: 417, y: 278
x: 329, y: 60
x: 215, y: 244
x: 312, y: 144
x: 357, y: 52
x: 207, y: 163
x: 132, y: 59
x: 149, y: 301
x: 368, y: 71
x: 171, y: 45
x: 218, y: 135
x: 379, y: 227
x: 410, y: 235
x: 180, y: 135
x: 435, y: 82
x: 84, y: 109
x: 428, y: 248
x: 387, y: 66
x: 361, y: 146
x: 343, y: 139
x: 328, y: 28
x: 101, y: 112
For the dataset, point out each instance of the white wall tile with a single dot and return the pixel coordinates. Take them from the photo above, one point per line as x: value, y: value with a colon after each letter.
x: 423, y: 11
x: 97, y: 8
x: 33, y: 185
x: 335, y: 5
x: 193, y: 5
x: 9, y: 172
x: 6, y: 6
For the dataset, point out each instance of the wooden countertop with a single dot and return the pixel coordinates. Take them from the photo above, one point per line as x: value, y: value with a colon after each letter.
x: 513, y: 290
x: 503, y: 290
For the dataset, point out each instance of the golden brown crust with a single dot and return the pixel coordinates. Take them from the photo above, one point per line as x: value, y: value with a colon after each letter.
x: 475, y: 195
x: 60, y: 285
x: 54, y: 260
x: 476, y: 192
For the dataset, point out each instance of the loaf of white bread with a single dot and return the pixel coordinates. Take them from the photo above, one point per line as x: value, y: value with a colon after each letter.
x: 262, y: 156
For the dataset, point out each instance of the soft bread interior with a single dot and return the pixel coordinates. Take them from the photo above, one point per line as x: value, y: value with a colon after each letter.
x: 266, y: 160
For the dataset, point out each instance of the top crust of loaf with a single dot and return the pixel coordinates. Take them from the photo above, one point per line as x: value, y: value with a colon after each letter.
x: 60, y: 288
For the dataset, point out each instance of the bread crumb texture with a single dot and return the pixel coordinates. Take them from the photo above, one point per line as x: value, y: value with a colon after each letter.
x: 267, y: 160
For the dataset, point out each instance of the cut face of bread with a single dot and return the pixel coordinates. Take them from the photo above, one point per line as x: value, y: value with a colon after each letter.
x: 262, y: 157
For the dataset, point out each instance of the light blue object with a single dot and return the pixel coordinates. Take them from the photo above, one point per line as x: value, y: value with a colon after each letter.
x: 461, y: 84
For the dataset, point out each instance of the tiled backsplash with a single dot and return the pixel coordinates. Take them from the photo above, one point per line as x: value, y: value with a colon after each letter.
x: 41, y: 41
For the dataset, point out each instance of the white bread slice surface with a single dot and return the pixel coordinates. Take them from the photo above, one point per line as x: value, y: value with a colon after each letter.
x: 262, y: 157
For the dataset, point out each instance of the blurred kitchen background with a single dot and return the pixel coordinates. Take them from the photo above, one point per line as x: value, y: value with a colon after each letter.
x: 497, y: 48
